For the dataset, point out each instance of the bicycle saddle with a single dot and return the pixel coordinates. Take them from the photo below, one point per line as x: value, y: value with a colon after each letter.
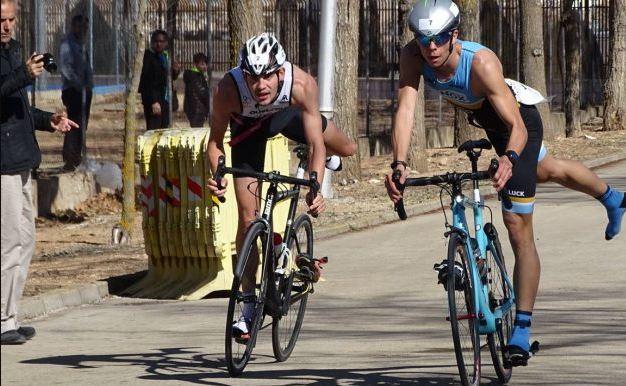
x: 471, y: 145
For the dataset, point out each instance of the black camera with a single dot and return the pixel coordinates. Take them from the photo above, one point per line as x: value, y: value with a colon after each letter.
x: 48, y: 62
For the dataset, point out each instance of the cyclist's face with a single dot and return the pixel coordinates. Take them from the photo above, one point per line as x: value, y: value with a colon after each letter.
x: 434, y: 54
x: 265, y: 87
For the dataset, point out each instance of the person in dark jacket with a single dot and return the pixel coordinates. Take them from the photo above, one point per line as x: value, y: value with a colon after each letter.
x: 197, y: 91
x: 20, y: 154
x: 155, y: 95
x: 77, y: 78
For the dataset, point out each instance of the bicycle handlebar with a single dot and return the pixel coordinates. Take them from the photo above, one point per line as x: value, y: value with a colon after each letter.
x: 270, y: 177
x: 448, y: 178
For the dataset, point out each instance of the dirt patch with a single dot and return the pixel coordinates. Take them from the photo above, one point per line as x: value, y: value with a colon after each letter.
x: 76, y: 249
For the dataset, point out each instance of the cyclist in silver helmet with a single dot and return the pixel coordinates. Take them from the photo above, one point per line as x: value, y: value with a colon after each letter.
x: 470, y: 76
x: 263, y: 96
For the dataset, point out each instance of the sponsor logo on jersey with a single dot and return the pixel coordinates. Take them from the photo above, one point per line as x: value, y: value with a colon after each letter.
x: 516, y: 193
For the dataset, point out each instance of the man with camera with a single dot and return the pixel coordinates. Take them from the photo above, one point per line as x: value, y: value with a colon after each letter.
x: 19, y: 156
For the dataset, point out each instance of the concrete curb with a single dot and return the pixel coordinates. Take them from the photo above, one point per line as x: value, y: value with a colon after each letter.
x: 54, y: 301
x: 597, y: 162
x: 48, y: 303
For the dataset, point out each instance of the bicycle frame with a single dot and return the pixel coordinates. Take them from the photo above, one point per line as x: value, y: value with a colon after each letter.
x: 272, y: 197
x: 487, y: 318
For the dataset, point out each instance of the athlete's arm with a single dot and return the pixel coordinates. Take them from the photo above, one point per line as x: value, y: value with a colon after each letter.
x: 488, y: 80
x: 410, y: 73
x: 305, y: 95
x: 225, y: 101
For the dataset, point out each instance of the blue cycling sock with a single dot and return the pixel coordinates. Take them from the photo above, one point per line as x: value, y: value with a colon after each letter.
x: 615, y: 203
x: 521, y: 330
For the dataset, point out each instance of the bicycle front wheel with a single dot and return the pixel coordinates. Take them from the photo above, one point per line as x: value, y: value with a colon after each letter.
x: 463, y: 318
x: 286, y: 328
x: 239, y: 347
x: 499, y: 294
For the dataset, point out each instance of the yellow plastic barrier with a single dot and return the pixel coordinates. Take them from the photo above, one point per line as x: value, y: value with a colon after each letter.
x: 190, y: 241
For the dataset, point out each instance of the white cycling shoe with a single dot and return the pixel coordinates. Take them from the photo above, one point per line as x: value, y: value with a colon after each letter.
x: 334, y: 163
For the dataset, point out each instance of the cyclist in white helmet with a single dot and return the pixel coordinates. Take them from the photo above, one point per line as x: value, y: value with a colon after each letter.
x: 470, y: 76
x: 263, y: 96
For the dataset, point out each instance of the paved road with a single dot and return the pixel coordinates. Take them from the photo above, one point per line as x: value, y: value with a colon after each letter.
x: 377, y: 320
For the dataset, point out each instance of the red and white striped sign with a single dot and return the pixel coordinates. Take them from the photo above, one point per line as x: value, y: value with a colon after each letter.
x: 146, y: 196
x: 194, y: 188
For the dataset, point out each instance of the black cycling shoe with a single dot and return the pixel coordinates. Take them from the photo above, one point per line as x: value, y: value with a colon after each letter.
x: 442, y: 276
x: 515, y: 356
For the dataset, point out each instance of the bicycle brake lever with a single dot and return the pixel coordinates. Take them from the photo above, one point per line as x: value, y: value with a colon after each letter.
x: 399, y: 206
x: 502, y: 196
x: 219, y: 174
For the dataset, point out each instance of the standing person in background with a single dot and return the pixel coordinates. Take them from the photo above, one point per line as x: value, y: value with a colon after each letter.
x: 77, y: 77
x: 153, y: 87
x: 197, y: 93
x: 20, y: 155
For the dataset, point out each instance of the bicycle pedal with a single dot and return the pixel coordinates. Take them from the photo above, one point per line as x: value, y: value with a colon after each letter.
x: 534, y: 348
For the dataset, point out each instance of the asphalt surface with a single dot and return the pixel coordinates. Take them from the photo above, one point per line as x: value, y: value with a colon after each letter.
x: 378, y: 319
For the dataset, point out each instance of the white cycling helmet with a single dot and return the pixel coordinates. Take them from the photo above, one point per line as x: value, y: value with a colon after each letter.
x: 261, y: 55
x: 433, y: 17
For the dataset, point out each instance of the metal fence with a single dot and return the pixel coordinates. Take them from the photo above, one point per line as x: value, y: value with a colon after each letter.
x: 202, y: 26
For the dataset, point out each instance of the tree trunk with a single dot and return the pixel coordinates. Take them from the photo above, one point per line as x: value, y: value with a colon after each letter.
x: 533, y: 72
x: 469, y: 29
x: 571, y: 96
x: 417, y: 157
x: 615, y: 87
x: 130, y: 127
x: 346, y: 79
x: 245, y: 19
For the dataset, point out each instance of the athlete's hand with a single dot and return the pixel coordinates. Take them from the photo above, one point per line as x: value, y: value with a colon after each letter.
x: 504, y: 173
x: 392, y: 190
x: 156, y: 108
x: 212, y: 185
x: 316, y: 204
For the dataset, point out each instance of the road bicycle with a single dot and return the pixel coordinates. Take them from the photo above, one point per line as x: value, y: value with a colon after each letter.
x: 284, y: 272
x: 480, y: 293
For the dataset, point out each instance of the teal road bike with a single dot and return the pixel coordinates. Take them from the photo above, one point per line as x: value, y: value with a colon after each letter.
x: 480, y: 293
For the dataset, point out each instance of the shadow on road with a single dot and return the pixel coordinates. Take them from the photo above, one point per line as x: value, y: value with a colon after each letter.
x: 189, y: 365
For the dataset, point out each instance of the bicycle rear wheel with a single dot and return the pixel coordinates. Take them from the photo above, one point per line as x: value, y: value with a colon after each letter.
x: 238, y: 350
x: 499, y: 293
x: 286, y: 328
x: 463, y: 318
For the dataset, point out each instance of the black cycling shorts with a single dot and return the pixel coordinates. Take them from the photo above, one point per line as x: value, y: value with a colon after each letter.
x: 522, y: 185
x: 250, y: 152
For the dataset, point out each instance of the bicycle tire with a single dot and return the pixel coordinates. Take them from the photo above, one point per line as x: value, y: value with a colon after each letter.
x: 286, y: 328
x: 499, y: 293
x: 236, y: 360
x: 465, y: 335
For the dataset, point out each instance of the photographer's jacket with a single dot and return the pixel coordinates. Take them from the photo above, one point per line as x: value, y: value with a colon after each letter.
x: 19, y: 150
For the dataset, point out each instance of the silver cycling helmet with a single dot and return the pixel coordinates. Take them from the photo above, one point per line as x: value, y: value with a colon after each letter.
x: 433, y: 17
x: 261, y: 55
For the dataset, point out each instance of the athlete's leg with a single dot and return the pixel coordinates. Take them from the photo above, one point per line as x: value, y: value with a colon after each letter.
x: 247, y: 207
x: 527, y: 266
x: 574, y: 175
x: 337, y: 143
x: 526, y: 275
x: 571, y: 174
